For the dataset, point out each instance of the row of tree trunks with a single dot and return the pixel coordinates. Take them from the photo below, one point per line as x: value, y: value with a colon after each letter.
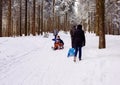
x: 26, y: 21
x: 91, y: 22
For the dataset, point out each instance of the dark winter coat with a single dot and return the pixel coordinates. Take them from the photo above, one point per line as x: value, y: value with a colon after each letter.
x: 79, y: 37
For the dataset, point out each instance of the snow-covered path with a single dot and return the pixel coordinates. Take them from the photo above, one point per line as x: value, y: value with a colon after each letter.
x: 30, y: 61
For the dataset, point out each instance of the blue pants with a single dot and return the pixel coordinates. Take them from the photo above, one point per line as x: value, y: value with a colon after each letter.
x: 80, y: 52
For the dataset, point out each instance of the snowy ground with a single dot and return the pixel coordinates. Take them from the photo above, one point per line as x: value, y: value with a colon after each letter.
x: 31, y: 61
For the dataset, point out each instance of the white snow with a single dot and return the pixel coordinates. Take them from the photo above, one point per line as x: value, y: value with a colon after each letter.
x: 31, y: 61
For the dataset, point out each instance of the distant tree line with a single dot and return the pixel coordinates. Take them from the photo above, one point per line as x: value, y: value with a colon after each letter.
x: 25, y: 17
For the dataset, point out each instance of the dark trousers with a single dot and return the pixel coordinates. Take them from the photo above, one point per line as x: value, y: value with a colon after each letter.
x: 72, y: 42
x: 78, y: 49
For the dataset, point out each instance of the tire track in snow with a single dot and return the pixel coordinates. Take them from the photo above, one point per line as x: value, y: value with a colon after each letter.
x: 20, y: 59
x: 5, y: 67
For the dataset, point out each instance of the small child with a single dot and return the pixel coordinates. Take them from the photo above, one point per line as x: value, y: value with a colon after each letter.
x: 59, y: 44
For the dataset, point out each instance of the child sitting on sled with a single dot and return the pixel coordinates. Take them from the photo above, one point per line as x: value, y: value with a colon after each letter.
x: 59, y: 44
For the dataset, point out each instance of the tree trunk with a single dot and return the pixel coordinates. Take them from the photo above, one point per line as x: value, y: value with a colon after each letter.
x: 101, y: 24
x: 0, y: 18
x: 17, y: 27
x: 58, y: 22
x: 33, y: 18
x: 20, y: 18
x: 53, y: 24
x: 26, y: 18
x: 39, y: 20
x: 41, y: 31
x: 9, y: 18
x: 97, y: 18
x: 50, y: 24
x: 65, y: 22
